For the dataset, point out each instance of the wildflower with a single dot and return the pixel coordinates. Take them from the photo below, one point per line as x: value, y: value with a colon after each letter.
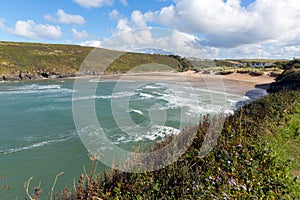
x: 218, y: 179
x: 225, y: 195
x: 196, y: 187
x: 239, y: 146
x: 232, y: 182
x: 244, y: 187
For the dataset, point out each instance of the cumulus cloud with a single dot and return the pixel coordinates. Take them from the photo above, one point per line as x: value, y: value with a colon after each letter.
x: 114, y: 14
x: 255, y: 51
x: 139, y: 20
x: 91, y: 43
x: 228, y: 23
x: 79, y: 34
x: 64, y: 18
x: 136, y: 20
x: 165, y: 40
x: 29, y: 29
x: 93, y: 3
x: 123, y: 25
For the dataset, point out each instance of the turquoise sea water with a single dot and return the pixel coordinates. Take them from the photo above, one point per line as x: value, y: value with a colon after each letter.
x: 38, y: 136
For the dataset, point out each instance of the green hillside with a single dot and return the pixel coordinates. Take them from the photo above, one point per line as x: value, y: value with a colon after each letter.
x: 141, y: 62
x: 34, y: 60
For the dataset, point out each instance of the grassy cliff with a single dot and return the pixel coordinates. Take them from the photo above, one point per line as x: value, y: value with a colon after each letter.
x: 19, y: 61
x: 143, y: 63
x: 34, y: 59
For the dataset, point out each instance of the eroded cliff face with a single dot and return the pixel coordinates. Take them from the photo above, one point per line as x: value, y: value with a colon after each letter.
x: 27, y: 76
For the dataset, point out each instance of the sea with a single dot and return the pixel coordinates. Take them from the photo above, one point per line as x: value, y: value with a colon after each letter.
x: 39, y: 138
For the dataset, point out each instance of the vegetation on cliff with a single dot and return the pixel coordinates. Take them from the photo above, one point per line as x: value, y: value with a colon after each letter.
x: 31, y: 60
x: 289, y: 79
x: 137, y: 62
x: 256, y: 156
x: 27, y: 61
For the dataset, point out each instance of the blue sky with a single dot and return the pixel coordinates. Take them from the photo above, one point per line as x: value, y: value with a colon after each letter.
x: 221, y: 28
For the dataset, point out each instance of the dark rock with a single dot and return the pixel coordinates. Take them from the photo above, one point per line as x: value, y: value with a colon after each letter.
x: 27, y: 76
x: 44, y: 75
x: 288, y: 80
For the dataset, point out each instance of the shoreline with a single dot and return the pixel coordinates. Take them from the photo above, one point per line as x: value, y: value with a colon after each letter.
x: 235, y: 83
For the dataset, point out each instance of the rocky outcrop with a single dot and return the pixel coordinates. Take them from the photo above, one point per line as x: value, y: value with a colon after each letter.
x: 28, y: 76
x: 288, y: 80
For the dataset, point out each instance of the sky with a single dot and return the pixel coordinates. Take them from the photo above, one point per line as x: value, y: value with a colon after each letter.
x: 191, y: 28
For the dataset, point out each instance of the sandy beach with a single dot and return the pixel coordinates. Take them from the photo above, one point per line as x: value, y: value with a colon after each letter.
x: 235, y: 83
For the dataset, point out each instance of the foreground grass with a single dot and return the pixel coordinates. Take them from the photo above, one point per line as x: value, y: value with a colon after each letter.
x: 286, y: 140
x: 256, y: 156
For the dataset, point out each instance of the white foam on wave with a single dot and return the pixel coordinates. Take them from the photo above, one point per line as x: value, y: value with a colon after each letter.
x: 196, y: 101
x: 152, y: 87
x: 36, y: 88
x: 154, y: 133
x: 32, y: 146
x: 115, y: 95
x: 145, y: 96
x: 137, y: 111
x: 107, y: 81
x: 40, y: 141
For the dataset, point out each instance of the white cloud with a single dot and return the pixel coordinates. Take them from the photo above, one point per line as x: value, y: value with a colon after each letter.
x: 228, y: 24
x: 2, y: 25
x: 114, y: 14
x: 79, y: 34
x: 156, y: 38
x: 29, y: 29
x: 91, y: 43
x: 123, y: 25
x: 124, y: 2
x: 138, y: 19
x: 93, y: 3
x: 292, y: 51
x: 255, y: 51
x: 64, y: 18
